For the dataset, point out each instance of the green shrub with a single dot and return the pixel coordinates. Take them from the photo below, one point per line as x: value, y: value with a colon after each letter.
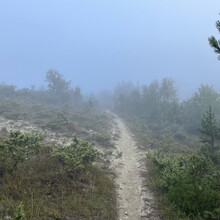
x: 17, y: 147
x: 10, y: 109
x: 102, y: 138
x: 76, y: 156
x: 191, y: 183
x: 19, y: 212
x: 58, y: 121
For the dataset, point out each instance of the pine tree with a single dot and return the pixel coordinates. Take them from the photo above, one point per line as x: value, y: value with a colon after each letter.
x: 209, y: 130
x: 214, y: 43
x: 56, y: 83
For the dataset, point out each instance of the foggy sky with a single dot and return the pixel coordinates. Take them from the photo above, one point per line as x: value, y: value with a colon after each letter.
x: 97, y: 43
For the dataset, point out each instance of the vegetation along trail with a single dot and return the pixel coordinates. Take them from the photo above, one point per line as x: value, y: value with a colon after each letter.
x: 134, y: 199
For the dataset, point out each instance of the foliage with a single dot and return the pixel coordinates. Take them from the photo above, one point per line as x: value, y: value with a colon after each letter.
x: 155, y: 102
x: 167, y: 90
x: 56, y: 83
x: 19, y: 213
x: 76, y: 96
x: 7, y: 90
x: 11, y: 109
x: 103, y: 139
x: 18, y: 147
x: 151, y: 100
x: 195, y: 106
x: 76, y: 156
x: 210, y: 131
x: 59, y: 122
x: 52, y: 118
x: 191, y: 183
x: 214, y: 43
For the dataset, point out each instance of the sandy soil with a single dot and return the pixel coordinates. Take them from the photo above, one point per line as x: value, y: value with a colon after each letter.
x: 134, y: 199
x: 25, y: 126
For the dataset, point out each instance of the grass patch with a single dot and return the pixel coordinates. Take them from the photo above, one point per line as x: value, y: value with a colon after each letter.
x: 41, y: 187
x: 48, y: 192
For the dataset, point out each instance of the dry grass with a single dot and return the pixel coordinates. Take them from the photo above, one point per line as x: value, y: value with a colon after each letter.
x: 47, y: 191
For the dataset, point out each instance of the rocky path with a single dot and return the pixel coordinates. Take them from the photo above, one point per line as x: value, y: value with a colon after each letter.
x: 134, y: 199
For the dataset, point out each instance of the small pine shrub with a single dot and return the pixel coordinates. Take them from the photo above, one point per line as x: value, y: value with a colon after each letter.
x: 190, y: 182
x: 76, y: 156
x: 17, y: 147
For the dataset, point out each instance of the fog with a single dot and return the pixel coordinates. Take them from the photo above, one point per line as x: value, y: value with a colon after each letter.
x: 97, y: 44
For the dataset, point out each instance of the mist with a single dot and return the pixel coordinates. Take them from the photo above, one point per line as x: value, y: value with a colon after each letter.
x: 109, y: 109
x: 97, y: 44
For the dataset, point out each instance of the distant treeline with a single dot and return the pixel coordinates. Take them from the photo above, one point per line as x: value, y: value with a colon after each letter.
x: 155, y: 103
x: 158, y: 103
x: 59, y: 91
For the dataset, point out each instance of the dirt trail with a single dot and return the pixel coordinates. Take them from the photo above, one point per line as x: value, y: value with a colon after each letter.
x: 134, y: 199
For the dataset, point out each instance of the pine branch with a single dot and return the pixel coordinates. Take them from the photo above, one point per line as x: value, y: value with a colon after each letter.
x: 218, y: 25
x: 214, y: 44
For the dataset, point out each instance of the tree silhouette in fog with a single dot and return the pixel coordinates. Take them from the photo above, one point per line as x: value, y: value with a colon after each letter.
x: 56, y: 83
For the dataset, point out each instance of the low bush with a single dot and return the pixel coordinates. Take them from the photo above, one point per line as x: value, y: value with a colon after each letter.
x: 11, y: 109
x: 17, y: 147
x: 191, y: 184
x: 76, y: 156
